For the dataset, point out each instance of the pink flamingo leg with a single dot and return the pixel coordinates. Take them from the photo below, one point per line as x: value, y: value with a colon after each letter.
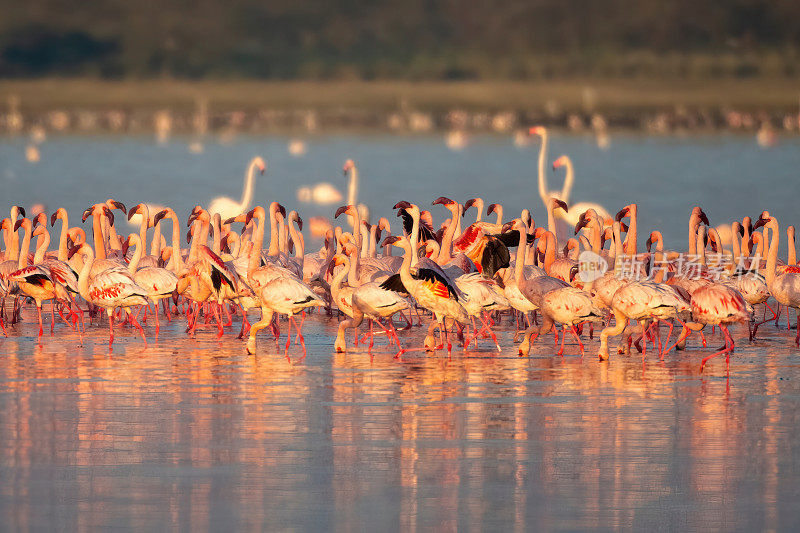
x: 726, y: 350
x: 39, y: 312
x: 137, y: 326
x: 577, y: 338
x: 111, y: 328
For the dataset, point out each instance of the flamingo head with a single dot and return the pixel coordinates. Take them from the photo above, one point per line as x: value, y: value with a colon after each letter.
x: 390, y: 240
x: 40, y: 219
x: 20, y: 210
x: 348, y: 165
x: 443, y: 200
x: 583, y: 221
x: 697, y: 211
x: 6, y: 224
x: 40, y: 230
x: 469, y: 203
x: 160, y: 215
x: 113, y: 204
x: 559, y: 203
x: 762, y: 221
x: 561, y: 161
x: 189, y: 236
x: 60, y: 212
x: 297, y: 219
x: 493, y: 208
x: 260, y: 164
x: 624, y: 212
x: 538, y: 130
x: 513, y: 224
x: 655, y: 236
x: 349, y: 209
x: 383, y: 224
x: 136, y: 210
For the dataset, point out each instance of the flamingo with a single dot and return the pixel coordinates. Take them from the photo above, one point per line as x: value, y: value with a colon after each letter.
x: 431, y: 290
x: 228, y: 207
x: 157, y: 282
x: 110, y: 289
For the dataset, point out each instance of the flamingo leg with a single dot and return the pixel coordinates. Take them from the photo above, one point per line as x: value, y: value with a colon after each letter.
x: 726, y: 350
x: 111, y: 327
x: 52, y: 316
x: 299, y: 334
x: 137, y: 326
x: 577, y: 338
x: 561, y: 349
x: 39, y: 312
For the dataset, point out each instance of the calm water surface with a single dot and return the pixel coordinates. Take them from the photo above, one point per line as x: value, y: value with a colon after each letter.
x: 729, y: 176
x: 194, y: 434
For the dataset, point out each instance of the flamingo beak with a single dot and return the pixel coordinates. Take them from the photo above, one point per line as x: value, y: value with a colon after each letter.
x: 21, y: 210
x: 507, y: 227
x: 741, y: 230
x: 74, y: 250
x: 159, y: 216
x: 282, y: 210
x: 133, y: 212
x: 582, y: 223
x: 389, y: 240
x: 109, y: 215
x: 300, y: 223
x: 189, y: 236
x: 623, y: 227
x: 491, y: 209
x: 622, y: 214
x: 18, y: 223
x: 53, y: 219
x: 402, y: 205
x: 648, y: 244
x: 704, y: 218
x: 86, y: 214
x: 469, y: 203
x: 442, y: 200
x: 760, y: 222
x: 119, y: 205
x: 562, y: 204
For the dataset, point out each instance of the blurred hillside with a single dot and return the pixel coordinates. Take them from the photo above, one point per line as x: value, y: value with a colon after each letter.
x: 394, y: 39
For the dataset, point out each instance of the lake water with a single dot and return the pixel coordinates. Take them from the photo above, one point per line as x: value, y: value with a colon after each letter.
x: 193, y: 434
x: 729, y: 176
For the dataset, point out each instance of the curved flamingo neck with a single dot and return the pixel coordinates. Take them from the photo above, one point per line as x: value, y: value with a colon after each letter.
x: 446, y: 249
x: 297, y: 239
x: 83, y: 276
x: 249, y: 185
x: 701, y: 245
x: 137, y: 253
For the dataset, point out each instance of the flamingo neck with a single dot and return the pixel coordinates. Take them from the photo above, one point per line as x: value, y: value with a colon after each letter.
x: 137, y: 255
x: 701, y: 245
x: 694, y: 223
x: 97, y: 235
x: 41, y: 247
x: 336, y: 282
x: 83, y: 276
x: 499, y: 210
x: 746, y: 240
x: 632, y: 235
x: 62, y: 239
x: 549, y: 251
x: 155, y: 248
x: 373, y: 234
x: 446, y: 249
x: 26, y: 244
x: 519, y: 264
x: 566, y: 190
x: 258, y: 240
x: 176, y: 261
x: 551, y: 222
x: 249, y: 186
x: 145, y: 214
x: 355, y: 264
x: 792, y: 257
x: 772, y: 257
x: 735, y: 245
x: 617, y: 246
x: 542, y: 160
x: 299, y: 244
x: 415, y: 238
x: 273, y: 232
x: 352, y: 188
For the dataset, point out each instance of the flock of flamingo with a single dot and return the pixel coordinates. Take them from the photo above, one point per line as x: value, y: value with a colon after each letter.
x: 469, y: 276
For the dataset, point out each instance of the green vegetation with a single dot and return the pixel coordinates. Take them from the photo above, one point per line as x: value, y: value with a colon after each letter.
x: 401, y: 39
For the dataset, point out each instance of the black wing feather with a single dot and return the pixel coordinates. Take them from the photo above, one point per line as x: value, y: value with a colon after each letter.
x: 495, y: 256
x: 426, y: 274
x: 394, y: 283
x: 511, y: 238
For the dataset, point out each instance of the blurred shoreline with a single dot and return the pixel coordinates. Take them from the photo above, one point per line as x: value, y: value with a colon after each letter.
x: 221, y: 107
